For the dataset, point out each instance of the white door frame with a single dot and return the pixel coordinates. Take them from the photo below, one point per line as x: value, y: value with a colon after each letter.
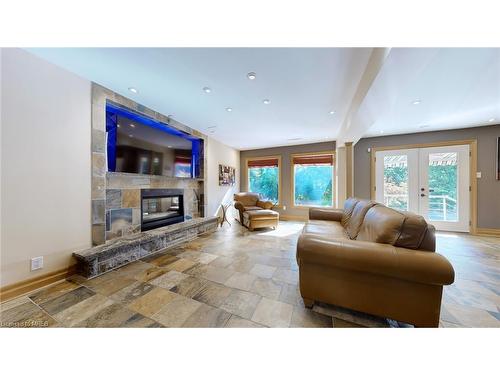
x: 417, y: 159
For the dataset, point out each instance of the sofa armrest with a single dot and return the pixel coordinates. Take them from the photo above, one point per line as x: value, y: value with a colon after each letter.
x: 381, y: 259
x: 266, y: 205
x: 239, y: 206
x: 331, y: 214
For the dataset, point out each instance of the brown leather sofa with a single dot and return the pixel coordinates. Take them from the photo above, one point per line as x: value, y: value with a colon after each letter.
x: 371, y: 258
x: 255, y: 213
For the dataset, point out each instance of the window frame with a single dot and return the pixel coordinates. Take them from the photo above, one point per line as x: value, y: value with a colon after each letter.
x: 292, y: 180
x: 247, y: 175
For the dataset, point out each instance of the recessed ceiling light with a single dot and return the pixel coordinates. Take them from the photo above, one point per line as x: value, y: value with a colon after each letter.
x: 416, y: 102
x: 118, y: 125
x: 294, y: 139
x: 133, y: 89
x: 131, y: 136
x: 491, y: 120
x: 208, y: 90
x: 266, y: 101
x: 332, y: 112
x: 251, y: 76
x: 132, y: 125
x: 381, y: 132
x: 423, y: 126
x: 169, y: 146
x: 229, y: 109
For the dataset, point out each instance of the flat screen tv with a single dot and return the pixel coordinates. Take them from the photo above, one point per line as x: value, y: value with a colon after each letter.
x: 138, y: 144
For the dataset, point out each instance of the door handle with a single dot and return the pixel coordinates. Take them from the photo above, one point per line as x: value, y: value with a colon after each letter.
x: 422, y: 195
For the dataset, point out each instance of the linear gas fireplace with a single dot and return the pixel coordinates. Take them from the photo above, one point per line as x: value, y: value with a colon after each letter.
x: 160, y: 207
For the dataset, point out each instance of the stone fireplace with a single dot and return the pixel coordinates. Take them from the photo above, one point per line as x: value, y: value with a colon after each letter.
x: 136, y: 215
x: 117, y: 197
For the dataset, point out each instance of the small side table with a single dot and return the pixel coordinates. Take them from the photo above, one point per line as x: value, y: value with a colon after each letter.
x: 224, y: 208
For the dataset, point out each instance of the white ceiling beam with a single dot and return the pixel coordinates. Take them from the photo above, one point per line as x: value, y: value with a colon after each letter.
x: 352, y: 128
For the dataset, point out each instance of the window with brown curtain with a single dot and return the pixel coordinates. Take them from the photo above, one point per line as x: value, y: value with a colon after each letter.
x: 312, y: 179
x: 264, y: 177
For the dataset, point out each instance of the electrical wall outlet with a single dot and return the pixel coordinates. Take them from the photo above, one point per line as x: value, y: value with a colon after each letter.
x: 284, y: 208
x: 478, y: 174
x: 36, y: 263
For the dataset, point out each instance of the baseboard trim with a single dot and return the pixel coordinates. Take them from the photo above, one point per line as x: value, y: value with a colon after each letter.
x: 22, y: 287
x: 487, y: 232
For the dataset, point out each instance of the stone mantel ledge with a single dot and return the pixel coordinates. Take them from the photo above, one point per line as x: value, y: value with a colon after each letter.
x: 152, y: 176
x: 123, y: 250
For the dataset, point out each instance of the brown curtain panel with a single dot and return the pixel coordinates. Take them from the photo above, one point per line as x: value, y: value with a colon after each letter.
x: 262, y: 163
x: 313, y: 159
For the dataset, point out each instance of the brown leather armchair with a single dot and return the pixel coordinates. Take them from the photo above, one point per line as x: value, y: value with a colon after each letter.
x: 250, y: 202
x: 371, y: 258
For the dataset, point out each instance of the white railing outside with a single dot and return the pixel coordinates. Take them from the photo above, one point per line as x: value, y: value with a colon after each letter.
x: 441, y: 207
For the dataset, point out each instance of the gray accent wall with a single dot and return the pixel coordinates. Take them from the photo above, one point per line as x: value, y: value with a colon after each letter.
x: 488, y: 187
x: 286, y: 183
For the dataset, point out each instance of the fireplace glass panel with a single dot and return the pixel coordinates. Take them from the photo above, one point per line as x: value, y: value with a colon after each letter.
x: 160, y: 208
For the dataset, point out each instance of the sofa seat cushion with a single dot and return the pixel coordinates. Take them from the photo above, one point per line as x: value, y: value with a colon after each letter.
x: 330, y: 229
x: 261, y: 214
x: 252, y: 208
x: 358, y: 214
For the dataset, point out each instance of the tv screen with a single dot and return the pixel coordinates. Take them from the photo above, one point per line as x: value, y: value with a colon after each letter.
x: 137, y: 144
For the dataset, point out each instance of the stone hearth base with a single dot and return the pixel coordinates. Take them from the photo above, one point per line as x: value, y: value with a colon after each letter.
x: 100, y: 259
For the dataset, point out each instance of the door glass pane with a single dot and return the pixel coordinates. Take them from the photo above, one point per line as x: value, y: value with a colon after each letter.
x: 443, y: 172
x: 396, y: 182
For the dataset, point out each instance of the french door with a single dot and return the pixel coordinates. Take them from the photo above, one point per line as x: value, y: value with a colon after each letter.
x: 433, y: 182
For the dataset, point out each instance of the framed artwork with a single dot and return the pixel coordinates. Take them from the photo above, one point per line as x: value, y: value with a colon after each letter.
x: 498, y: 158
x: 227, y: 175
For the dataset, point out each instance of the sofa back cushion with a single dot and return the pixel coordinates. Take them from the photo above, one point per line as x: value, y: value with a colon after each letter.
x: 349, y: 205
x: 413, y: 232
x: 358, y: 214
x: 382, y: 225
x: 399, y: 228
x: 247, y: 199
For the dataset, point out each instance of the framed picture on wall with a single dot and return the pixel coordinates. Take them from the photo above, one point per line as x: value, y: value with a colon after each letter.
x: 227, y: 175
x: 498, y: 158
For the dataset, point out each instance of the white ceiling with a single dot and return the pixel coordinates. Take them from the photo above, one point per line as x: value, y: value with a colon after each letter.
x: 303, y: 85
x: 457, y: 87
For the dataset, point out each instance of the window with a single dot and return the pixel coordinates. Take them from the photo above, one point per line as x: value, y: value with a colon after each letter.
x: 182, y: 166
x: 264, y: 177
x: 312, y: 177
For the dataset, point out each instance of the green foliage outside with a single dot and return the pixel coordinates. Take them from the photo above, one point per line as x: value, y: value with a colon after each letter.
x: 264, y: 181
x: 313, y: 185
x: 442, y: 180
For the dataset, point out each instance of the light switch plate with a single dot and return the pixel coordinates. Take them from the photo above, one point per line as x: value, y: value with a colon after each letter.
x: 478, y: 174
x: 36, y: 263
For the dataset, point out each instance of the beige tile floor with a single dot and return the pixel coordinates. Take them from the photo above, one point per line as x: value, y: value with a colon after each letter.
x: 237, y: 278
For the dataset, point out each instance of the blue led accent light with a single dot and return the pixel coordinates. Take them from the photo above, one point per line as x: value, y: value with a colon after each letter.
x: 111, y: 122
x: 112, y: 113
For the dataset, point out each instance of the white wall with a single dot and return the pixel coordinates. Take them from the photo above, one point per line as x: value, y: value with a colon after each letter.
x: 219, y: 153
x: 45, y: 165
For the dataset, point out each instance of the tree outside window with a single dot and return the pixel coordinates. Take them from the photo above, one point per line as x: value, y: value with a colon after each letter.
x: 313, y: 180
x: 263, y: 178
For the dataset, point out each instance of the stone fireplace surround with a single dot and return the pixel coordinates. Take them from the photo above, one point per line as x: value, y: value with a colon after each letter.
x: 119, y: 194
